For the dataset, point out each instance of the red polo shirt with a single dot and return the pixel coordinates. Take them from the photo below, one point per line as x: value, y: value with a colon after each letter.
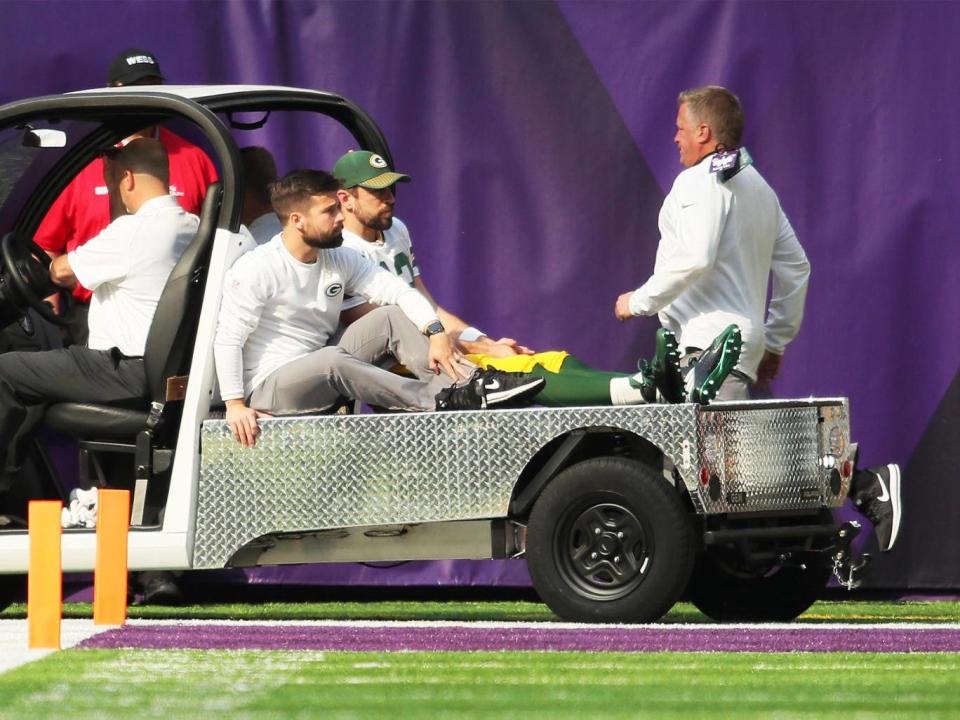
x: 83, y: 208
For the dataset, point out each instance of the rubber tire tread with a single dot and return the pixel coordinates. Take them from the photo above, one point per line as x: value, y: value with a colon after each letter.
x: 780, y: 597
x: 656, y: 504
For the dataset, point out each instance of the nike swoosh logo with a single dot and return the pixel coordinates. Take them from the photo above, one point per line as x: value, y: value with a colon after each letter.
x: 884, y: 496
x: 493, y: 385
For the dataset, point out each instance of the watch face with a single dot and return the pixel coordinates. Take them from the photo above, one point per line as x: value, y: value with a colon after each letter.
x: 434, y: 328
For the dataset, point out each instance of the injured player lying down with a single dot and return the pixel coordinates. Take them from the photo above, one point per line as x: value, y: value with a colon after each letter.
x: 369, y: 227
x: 281, y: 305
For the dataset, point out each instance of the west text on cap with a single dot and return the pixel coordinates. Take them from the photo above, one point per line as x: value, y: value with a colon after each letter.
x: 133, y: 64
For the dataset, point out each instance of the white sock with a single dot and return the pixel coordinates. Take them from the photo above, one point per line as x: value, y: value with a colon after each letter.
x: 623, y: 393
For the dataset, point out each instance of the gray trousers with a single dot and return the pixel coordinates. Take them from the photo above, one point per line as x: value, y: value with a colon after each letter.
x: 350, y: 369
x: 31, y: 380
x: 735, y: 387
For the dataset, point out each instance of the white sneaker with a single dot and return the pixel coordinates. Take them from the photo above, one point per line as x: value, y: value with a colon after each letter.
x: 82, y: 510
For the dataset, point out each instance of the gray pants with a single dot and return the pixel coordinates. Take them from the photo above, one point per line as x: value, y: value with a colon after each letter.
x: 349, y: 369
x: 735, y: 387
x: 31, y: 380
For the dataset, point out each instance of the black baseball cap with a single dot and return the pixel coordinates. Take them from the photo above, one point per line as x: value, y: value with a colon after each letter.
x: 133, y: 64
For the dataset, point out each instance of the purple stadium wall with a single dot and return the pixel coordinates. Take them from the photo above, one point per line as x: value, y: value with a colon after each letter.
x: 539, y: 138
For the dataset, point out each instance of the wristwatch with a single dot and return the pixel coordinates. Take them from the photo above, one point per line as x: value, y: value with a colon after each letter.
x: 434, y: 328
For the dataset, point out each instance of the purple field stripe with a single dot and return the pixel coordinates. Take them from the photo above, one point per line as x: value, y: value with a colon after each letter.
x: 392, y: 638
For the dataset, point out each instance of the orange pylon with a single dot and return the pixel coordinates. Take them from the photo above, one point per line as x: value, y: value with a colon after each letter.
x: 110, y: 572
x: 45, y: 579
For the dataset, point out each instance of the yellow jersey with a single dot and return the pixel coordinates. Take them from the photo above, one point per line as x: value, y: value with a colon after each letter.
x: 551, y: 360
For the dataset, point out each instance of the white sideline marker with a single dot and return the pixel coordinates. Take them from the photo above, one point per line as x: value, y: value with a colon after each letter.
x: 13, y: 640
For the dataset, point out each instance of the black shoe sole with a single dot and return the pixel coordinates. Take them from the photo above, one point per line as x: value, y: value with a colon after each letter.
x: 715, y: 365
x: 666, y: 368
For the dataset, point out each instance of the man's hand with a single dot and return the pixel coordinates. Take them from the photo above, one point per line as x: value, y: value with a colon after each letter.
x: 504, y: 347
x: 768, y: 368
x: 243, y: 422
x: 444, y: 356
x: 499, y: 350
x: 61, y: 273
x: 517, y: 348
x: 622, y: 309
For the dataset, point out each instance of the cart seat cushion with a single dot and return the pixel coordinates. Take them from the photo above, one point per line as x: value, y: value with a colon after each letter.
x: 96, y: 422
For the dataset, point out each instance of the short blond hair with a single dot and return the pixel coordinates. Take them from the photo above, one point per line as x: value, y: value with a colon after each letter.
x: 717, y: 107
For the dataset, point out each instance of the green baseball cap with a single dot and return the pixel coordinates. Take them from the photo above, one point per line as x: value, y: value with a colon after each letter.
x: 366, y: 169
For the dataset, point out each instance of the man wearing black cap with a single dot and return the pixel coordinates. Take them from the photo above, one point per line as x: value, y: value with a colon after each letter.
x: 134, y: 67
x: 83, y: 208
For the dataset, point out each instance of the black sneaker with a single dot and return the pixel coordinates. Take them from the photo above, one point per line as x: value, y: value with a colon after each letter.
x: 714, y: 365
x: 876, y: 493
x: 161, y: 588
x: 491, y: 388
x: 665, y: 368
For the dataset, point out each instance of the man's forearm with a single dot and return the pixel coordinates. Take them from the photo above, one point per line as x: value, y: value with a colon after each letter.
x: 667, y: 285
x: 61, y: 273
x: 416, y: 307
x: 451, y: 323
x: 229, y: 363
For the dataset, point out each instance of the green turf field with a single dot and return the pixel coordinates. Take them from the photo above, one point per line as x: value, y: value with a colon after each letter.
x: 202, y: 684
x: 853, y: 611
x: 283, y: 684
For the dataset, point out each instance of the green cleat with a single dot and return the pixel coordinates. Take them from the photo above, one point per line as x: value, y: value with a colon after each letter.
x: 714, y: 365
x: 643, y: 381
x: 665, y: 368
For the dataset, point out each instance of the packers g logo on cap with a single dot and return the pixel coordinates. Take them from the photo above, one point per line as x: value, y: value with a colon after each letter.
x: 377, y: 162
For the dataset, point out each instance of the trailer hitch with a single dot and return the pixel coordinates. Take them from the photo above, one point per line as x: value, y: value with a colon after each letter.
x: 847, y: 569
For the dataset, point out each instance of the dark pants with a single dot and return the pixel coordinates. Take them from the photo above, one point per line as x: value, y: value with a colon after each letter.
x: 29, y: 381
x: 77, y: 331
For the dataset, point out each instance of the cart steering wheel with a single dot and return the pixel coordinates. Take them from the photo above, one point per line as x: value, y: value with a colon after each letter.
x: 27, y: 268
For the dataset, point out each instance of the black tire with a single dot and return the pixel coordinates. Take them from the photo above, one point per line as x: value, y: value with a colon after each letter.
x: 725, y: 592
x: 609, y: 541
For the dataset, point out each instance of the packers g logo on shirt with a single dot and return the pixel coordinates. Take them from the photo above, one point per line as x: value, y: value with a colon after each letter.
x: 333, y: 290
x: 377, y: 162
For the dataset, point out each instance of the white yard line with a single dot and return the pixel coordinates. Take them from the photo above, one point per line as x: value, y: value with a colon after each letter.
x: 13, y: 640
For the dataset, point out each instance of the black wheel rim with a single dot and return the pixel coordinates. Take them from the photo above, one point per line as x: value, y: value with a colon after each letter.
x: 602, y: 550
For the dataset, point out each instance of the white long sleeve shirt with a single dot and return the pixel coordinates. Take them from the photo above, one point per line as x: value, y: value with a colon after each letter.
x: 719, y: 245
x: 127, y: 266
x: 276, y: 309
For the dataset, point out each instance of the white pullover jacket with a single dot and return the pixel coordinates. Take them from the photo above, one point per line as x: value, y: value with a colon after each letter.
x: 719, y: 244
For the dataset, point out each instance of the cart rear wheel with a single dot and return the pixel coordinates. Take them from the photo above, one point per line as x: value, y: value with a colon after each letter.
x: 728, y: 593
x: 609, y: 541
